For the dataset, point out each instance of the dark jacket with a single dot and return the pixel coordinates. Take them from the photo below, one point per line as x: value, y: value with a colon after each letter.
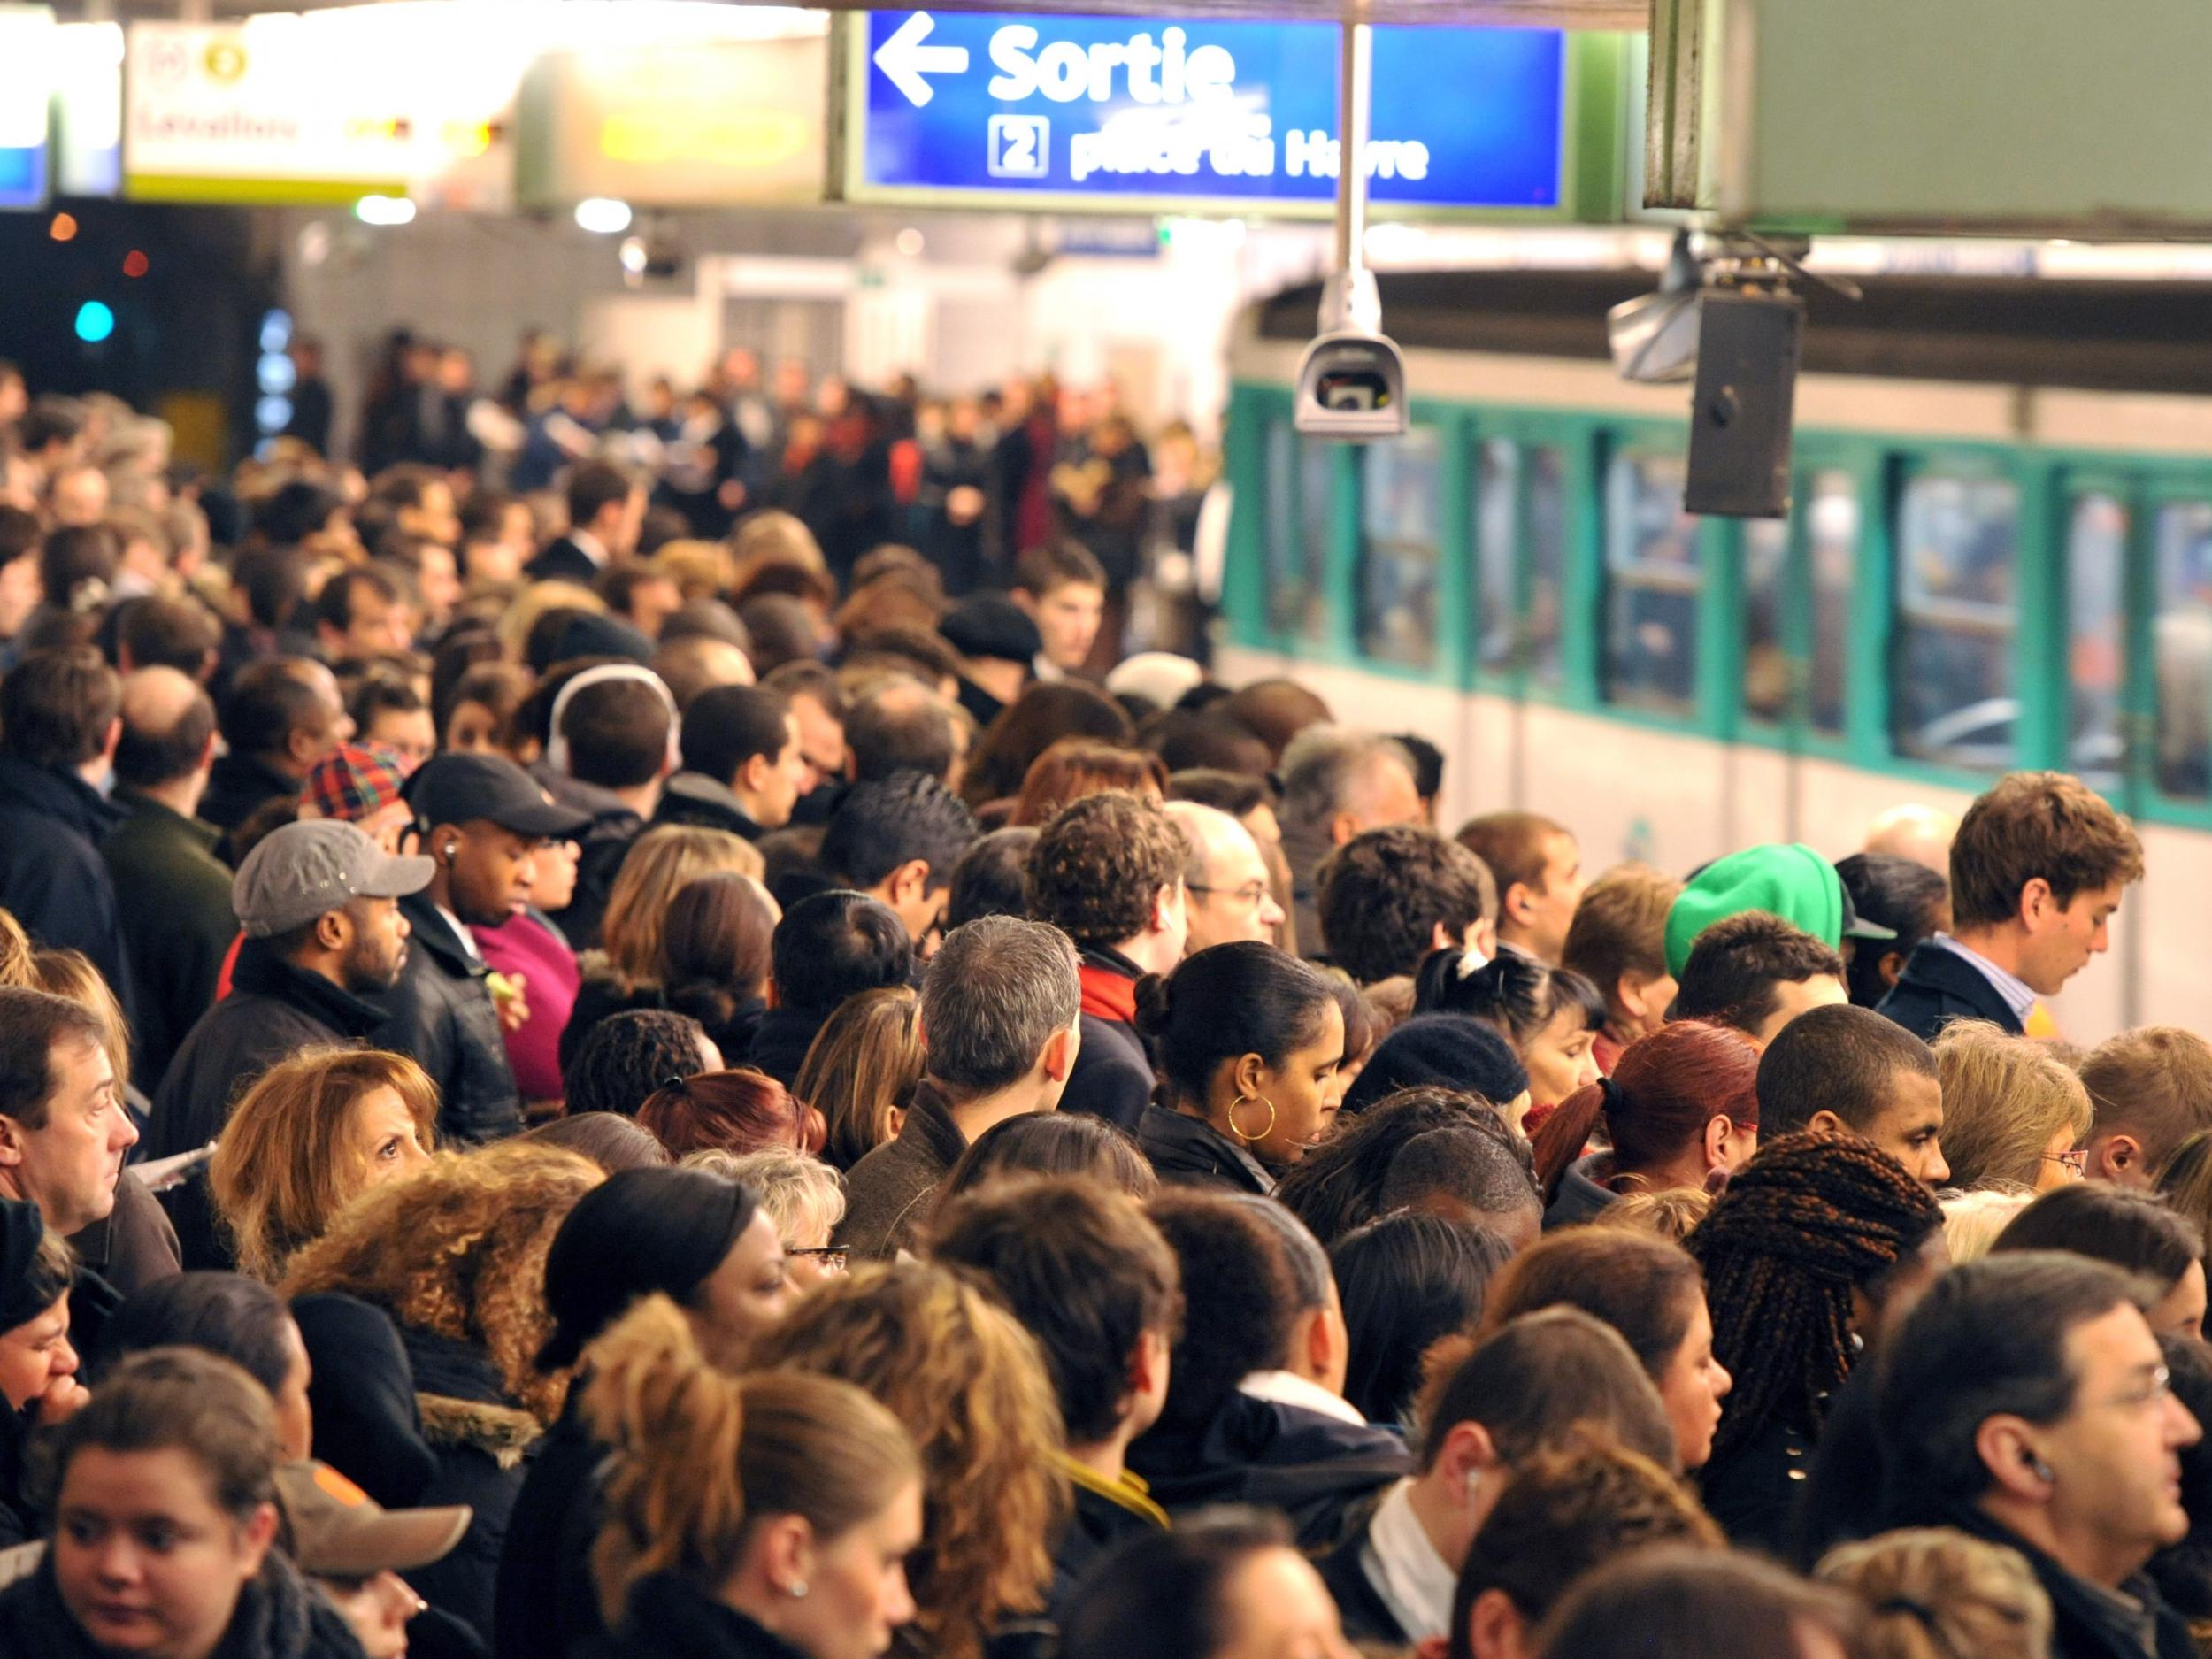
x: 2083, y: 1625
x: 278, y: 1617
x: 442, y: 1013
x: 887, y: 1194
x: 19, y: 1516
x: 482, y: 1440
x: 52, y: 878
x: 563, y: 560
x: 1112, y: 1077
x: 691, y: 797
x: 669, y: 1618
x: 1939, y: 986
x: 1314, y: 1468
x: 1098, y: 1526
x: 780, y: 1041
x: 1843, y: 1498
x: 1755, y: 1487
x: 273, y: 1008
x: 1581, y: 1197
x: 135, y: 1244
x: 367, y: 1424
x: 1367, y: 1618
x: 172, y: 895
x: 1190, y: 1152
x: 238, y: 786
x: 547, y: 1603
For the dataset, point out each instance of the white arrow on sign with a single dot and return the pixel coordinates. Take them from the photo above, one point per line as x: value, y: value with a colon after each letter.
x: 905, y: 60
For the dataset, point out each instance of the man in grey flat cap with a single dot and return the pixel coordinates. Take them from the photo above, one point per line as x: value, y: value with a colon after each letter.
x: 318, y: 902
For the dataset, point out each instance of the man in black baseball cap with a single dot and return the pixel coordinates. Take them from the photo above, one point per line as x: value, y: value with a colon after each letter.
x: 482, y: 821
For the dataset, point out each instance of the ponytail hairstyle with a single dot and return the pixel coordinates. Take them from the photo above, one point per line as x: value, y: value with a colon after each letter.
x: 702, y: 1454
x: 1808, y: 1221
x: 1227, y: 1000
x: 1664, y: 1089
x: 1517, y: 995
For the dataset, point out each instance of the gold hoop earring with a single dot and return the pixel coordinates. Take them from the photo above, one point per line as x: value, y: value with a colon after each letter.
x: 1268, y: 1130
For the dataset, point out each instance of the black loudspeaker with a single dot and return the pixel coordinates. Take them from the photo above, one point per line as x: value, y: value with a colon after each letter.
x: 1748, y: 350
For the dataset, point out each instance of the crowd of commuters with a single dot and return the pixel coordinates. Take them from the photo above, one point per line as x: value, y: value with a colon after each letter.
x: 741, y: 1101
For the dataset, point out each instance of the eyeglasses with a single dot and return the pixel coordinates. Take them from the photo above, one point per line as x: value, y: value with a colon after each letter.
x: 832, y: 1256
x: 2155, y: 1386
x: 2077, y: 1160
x: 1251, y: 892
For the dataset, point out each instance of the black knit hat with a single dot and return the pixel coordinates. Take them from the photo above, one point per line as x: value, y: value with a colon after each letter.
x: 22, y: 1296
x: 638, y: 1231
x: 1450, y: 1050
x: 991, y: 625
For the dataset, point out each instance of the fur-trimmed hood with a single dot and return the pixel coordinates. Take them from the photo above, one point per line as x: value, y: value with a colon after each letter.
x: 503, y: 1433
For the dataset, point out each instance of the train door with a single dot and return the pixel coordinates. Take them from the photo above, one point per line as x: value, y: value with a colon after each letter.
x: 2137, y: 579
x: 1795, y: 581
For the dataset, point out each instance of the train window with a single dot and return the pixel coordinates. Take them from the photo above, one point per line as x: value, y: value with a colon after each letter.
x: 1651, y: 588
x: 1399, y: 547
x: 1957, y: 609
x: 2183, y: 650
x: 1831, y: 547
x: 1497, y: 488
x: 1546, y: 544
x: 2096, y: 649
x: 1766, y: 658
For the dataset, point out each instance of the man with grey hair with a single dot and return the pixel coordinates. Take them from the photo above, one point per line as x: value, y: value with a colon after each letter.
x: 999, y: 1021
x: 1337, y: 783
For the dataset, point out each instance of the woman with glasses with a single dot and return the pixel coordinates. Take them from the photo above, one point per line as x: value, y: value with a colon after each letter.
x: 804, y: 1197
x: 2014, y: 1114
x: 711, y: 1246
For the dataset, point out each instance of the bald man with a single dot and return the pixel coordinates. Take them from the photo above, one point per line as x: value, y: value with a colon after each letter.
x: 172, y: 892
x: 1921, y: 833
x: 1231, y: 897
x: 689, y: 666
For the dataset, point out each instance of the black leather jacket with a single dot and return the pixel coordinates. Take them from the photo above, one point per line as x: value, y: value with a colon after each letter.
x: 442, y: 1013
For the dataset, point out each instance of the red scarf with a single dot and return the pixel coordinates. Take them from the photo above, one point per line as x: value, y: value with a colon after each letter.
x: 1108, y: 994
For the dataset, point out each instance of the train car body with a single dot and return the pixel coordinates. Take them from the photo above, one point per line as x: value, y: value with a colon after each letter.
x: 2000, y: 555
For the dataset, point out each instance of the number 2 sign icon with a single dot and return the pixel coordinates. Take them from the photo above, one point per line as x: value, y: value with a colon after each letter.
x: 1021, y: 147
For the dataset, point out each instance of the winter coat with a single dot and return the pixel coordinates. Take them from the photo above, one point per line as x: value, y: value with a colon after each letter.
x: 442, y: 1014
x: 482, y: 1441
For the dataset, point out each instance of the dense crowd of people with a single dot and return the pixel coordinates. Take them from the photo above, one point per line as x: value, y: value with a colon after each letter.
x: 740, y: 1099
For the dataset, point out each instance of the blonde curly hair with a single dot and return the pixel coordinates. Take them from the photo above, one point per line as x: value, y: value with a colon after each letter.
x: 971, y: 1388
x: 1935, y: 1593
x: 459, y: 1251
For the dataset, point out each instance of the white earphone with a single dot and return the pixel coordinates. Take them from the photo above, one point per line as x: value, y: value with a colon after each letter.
x: 556, y: 744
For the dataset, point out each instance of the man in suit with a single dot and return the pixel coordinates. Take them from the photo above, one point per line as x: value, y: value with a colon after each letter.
x: 2038, y: 868
x: 605, y: 508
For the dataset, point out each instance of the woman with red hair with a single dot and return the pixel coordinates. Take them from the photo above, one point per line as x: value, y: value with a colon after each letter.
x: 737, y: 1112
x: 1681, y: 1104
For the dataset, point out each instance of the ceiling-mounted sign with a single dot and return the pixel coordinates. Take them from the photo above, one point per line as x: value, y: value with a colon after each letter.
x: 700, y: 124
x: 324, y: 107
x: 1120, y: 113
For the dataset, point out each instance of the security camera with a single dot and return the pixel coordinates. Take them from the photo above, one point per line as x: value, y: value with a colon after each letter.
x: 1351, y: 385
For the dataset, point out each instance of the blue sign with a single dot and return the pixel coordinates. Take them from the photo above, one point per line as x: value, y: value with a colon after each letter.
x: 1080, y: 108
x: 23, y: 177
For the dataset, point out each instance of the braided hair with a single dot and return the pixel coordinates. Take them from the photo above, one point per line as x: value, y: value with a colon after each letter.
x: 1806, y: 1221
